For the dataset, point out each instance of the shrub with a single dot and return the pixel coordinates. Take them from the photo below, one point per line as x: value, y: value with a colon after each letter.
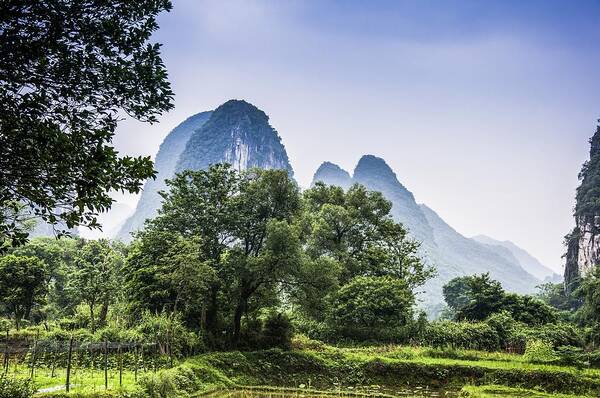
x: 277, y: 331
x: 469, y: 335
x: 539, y: 351
x: 372, y: 302
x: 169, y: 331
x: 571, y: 356
x: 15, y: 388
x: 159, y: 385
x: 505, y: 327
x: 559, y: 334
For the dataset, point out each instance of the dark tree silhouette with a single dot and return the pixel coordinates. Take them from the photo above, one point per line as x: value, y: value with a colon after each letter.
x: 69, y: 70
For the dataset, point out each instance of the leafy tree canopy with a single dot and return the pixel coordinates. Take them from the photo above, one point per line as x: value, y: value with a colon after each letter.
x: 68, y: 70
x: 22, y: 284
x: 357, y: 230
x: 373, y: 301
x: 477, y: 297
x: 588, y: 193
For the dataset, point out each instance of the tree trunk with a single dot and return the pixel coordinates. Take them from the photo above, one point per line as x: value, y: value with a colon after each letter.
x: 211, y: 311
x: 92, y: 322
x: 103, y: 313
x: 237, y: 321
x: 18, y: 316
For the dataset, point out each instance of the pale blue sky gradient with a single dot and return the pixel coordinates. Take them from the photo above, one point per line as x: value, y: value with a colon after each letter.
x: 482, y: 108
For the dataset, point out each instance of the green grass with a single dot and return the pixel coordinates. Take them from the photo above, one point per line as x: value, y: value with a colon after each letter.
x: 494, y: 391
x: 83, y: 380
x: 480, y: 359
x: 369, y: 369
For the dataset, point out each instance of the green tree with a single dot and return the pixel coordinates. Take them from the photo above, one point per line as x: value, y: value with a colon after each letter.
x: 554, y: 294
x: 484, y: 297
x: 95, y: 278
x: 373, y: 302
x: 22, y: 285
x: 528, y: 309
x: 59, y: 256
x: 589, y: 313
x: 349, y: 234
x: 357, y: 229
x: 476, y: 297
x: 267, y: 248
x: 457, y: 293
x: 199, y: 205
x: 68, y: 70
x: 241, y: 223
x: 166, y: 273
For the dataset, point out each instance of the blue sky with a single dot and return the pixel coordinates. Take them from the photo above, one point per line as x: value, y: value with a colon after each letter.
x: 482, y: 108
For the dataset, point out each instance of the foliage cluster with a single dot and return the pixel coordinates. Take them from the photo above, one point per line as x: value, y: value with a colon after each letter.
x: 476, y: 297
x: 68, y: 73
x: 229, y: 247
x: 15, y: 388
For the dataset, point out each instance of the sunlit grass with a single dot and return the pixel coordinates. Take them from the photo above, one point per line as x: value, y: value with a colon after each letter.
x: 493, y: 391
x: 81, y: 380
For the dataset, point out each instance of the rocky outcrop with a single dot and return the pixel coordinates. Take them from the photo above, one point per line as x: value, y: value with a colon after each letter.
x: 236, y: 132
x: 588, y: 253
x: 583, y: 250
x: 583, y: 243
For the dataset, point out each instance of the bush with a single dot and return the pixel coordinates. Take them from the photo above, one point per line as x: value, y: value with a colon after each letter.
x: 505, y: 327
x: 15, y: 388
x: 571, y: 356
x: 160, y: 385
x: 560, y: 334
x: 168, y: 331
x: 468, y: 335
x: 372, y: 302
x: 277, y: 331
x: 539, y: 351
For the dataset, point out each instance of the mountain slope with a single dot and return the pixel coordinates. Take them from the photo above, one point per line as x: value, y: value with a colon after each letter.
x: 333, y: 174
x: 452, y: 253
x: 236, y: 132
x: 531, y: 264
x: 165, y: 162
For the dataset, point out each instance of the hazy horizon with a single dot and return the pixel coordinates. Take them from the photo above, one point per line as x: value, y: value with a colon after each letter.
x: 482, y: 110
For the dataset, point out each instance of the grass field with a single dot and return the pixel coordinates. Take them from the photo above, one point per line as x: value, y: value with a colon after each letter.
x: 368, y: 369
x: 82, y: 380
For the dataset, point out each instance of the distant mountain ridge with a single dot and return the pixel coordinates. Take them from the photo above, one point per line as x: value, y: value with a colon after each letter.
x: 236, y: 132
x: 527, y: 261
x: 452, y: 253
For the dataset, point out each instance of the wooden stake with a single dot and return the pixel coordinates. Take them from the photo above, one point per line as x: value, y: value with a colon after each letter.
x: 106, y: 364
x: 6, y: 355
x: 34, y: 355
x: 120, y: 367
x: 69, y: 357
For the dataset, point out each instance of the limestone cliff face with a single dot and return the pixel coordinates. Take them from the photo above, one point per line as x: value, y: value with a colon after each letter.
x: 583, y: 243
x: 236, y: 132
x: 583, y: 250
x: 588, y: 253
